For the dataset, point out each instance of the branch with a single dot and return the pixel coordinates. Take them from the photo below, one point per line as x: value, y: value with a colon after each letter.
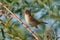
x: 19, y: 20
x: 12, y: 36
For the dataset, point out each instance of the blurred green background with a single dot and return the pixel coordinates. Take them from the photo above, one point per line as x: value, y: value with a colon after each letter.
x: 43, y: 10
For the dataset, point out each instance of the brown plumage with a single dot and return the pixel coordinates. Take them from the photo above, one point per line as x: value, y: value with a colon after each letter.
x: 30, y: 20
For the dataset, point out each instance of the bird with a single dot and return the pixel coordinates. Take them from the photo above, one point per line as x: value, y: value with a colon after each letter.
x: 31, y: 20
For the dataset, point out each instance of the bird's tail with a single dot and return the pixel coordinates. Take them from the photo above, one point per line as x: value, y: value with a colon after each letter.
x: 43, y: 23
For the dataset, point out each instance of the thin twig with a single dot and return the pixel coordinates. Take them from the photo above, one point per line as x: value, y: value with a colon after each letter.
x: 58, y: 38
x: 54, y: 33
x: 12, y: 36
x: 16, y: 33
x: 3, y: 34
x: 54, y: 30
x: 19, y: 20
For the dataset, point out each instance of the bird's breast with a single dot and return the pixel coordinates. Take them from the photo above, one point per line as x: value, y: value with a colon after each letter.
x: 27, y: 18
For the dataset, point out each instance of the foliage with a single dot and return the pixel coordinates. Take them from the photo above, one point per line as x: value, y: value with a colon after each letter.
x: 50, y: 13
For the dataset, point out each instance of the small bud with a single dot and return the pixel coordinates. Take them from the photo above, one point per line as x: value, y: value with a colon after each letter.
x: 3, y: 12
x: 9, y: 14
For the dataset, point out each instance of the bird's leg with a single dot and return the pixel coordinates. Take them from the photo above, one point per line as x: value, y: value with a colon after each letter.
x: 36, y: 26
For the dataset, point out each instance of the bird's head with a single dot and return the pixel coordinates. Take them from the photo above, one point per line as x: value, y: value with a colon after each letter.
x: 26, y: 12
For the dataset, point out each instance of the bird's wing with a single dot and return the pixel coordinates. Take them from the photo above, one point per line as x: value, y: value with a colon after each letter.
x: 36, y: 21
